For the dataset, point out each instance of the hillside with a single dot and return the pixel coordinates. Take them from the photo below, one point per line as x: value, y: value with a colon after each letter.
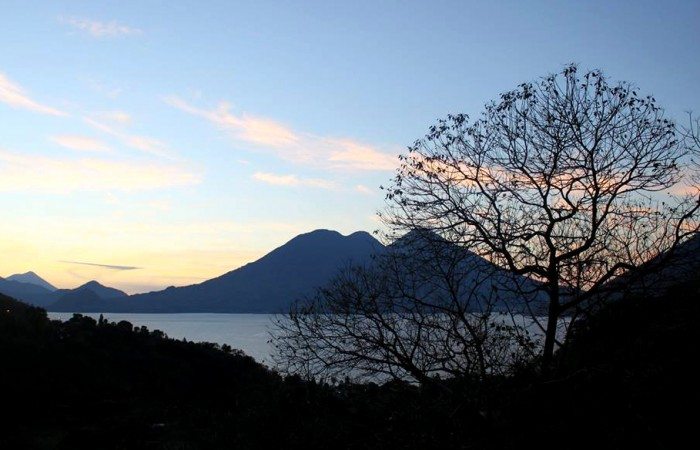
x: 625, y: 379
x: 94, y: 384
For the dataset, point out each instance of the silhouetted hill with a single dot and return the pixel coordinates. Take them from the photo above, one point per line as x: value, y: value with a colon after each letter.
x: 268, y: 285
x: 297, y: 268
x: 91, y: 296
x: 624, y: 380
x: 95, y: 384
x: 440, y: 266
x: 657, y: 276
x: 32, y: 278
x: 27, y: 292
x: 102, y: 291
x: 78, y: 300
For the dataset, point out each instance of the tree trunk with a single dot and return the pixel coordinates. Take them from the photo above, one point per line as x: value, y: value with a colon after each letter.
x: 551, y: 331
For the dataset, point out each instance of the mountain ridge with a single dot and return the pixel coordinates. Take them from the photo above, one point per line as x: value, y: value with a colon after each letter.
x: 269, y: 284
x: 88, y: 293
x: 31, y: 277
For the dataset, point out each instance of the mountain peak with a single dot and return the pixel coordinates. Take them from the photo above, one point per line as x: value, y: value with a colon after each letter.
x: 270, y: 284
x: 361, y: 234
x: 32, y: 278
x: 321, y: 232
x: 418, y: 237
x: 101, y: 290
x: 324, y: 240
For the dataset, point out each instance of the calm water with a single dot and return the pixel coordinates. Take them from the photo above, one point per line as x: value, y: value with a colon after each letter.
x: 247, y: 332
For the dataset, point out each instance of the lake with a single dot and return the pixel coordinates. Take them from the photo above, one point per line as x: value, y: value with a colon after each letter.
x: 247, y: 332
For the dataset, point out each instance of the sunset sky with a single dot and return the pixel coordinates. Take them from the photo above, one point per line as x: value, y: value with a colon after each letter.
x: 164, y: 143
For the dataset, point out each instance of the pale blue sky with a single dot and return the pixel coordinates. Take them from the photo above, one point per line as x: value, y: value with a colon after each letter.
x: 188, y: 138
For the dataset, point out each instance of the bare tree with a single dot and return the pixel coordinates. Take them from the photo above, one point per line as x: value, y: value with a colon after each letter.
x: 691, y: 137
x: 424, y: 309
x: 565, y: 180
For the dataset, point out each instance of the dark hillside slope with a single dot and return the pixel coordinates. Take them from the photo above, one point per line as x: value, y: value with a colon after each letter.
x: 627, y: 379
x: 87, y: 384
x: 82, y: 384
x: 660, y: 274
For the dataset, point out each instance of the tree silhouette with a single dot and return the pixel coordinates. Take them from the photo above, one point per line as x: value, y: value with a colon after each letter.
x: 691, y: 137
x: 563, y: 180
x: 424, y: 309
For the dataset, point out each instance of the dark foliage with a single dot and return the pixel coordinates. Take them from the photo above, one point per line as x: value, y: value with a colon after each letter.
x: 626, y: 380
x: 95, y: 384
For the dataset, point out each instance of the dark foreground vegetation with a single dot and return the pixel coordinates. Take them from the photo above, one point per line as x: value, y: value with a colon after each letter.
x: 626, y: 380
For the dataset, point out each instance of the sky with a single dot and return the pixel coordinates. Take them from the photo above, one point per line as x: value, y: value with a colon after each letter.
x: 155, y: 143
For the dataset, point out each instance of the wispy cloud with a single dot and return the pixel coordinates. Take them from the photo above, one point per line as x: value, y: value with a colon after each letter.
x: 245, y: 127
x: 143, y: 143
x: 290, y: 144
x: 292, y: 180
x: 80, y: 143
x: 19, y: 172
x: 108, y: 90
x: 106, y: 266
x: 99, y: 29
x: 120, y: 117
x: 362, y: 189
x: 350, y: 154
x: 13, y: 94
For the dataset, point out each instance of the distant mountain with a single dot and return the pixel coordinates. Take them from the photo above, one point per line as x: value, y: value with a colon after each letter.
x: 78, y: 301
x: 443, y: 271
x: 32, y: 278
x: 268, y: 285
x: 27, y: 292
x: 90, y: 297
x: 295, y: 270
x: 102, y: 291
x: 309, y: 261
